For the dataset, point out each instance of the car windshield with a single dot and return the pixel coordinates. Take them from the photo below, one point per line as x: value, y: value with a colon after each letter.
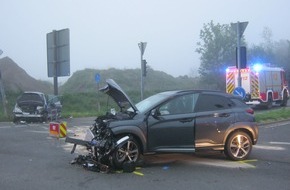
x: 30, y: 97
x: 150, y: 102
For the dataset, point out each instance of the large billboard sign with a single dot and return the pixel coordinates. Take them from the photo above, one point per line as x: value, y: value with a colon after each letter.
x: 58, y: 53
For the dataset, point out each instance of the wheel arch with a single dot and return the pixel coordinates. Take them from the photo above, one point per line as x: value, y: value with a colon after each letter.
x: 248, y: 130
x: 285, y: 93
x: 284, y: 96
x: 238, y: 149
x: 270, y: 93
x: 135, y: 132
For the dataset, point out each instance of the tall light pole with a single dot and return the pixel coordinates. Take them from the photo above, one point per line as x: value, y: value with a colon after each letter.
x: 142, y: 46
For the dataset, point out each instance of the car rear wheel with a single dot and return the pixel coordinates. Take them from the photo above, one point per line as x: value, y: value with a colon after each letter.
x: 238, y: 146
x: 127, y: 152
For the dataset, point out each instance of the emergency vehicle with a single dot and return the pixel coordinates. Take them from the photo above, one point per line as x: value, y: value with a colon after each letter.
x: 260, y: 85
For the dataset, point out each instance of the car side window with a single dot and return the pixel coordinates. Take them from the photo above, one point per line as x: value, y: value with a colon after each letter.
x: 238, y: 102
x: 212, y: 102
x: 179, y: 105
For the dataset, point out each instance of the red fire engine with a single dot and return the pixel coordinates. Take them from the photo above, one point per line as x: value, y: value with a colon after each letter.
x: 262, y: 85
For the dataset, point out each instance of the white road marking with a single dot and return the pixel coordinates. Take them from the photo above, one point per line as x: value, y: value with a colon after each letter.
x: 5, y: 127
x: 280, y: 143
x: 222, y: 163
x: 268, y: 147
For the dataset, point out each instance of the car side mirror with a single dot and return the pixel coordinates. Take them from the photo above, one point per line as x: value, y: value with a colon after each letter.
x: 155, y: 113
x: 52, y: 104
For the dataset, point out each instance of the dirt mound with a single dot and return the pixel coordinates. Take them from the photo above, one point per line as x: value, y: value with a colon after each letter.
x: 15, y: 79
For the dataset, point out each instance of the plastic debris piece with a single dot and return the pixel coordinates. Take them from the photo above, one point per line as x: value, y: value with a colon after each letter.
x: 138, y: 173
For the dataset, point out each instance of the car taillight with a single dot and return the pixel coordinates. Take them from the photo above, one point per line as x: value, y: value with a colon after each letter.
x: 250, y: 111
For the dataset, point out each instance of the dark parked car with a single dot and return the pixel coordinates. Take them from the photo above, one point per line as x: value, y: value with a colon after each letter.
x: 36, y: 106
x: 182, y: 121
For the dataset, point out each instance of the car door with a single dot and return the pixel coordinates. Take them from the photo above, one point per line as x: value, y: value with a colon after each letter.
x: 213, y: 117
x: 171, y: 127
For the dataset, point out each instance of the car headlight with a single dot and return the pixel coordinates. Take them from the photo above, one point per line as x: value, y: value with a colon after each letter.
x: 39, y: 109
x: 17, y: 109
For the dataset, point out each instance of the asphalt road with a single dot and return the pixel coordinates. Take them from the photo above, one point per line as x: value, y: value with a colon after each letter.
x: 31, y: 159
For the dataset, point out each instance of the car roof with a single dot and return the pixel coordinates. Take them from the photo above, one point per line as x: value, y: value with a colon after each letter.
x: 175, y: 92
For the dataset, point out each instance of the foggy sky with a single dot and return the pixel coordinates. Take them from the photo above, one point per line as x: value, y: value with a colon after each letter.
x: 106, y: 33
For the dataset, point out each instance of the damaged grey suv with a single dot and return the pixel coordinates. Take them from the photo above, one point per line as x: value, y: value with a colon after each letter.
x: 183, y: 121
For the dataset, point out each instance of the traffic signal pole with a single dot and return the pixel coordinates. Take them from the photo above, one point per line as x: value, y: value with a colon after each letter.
x: 142, y: 79
x: 239, y: 55
x: 142, y: 46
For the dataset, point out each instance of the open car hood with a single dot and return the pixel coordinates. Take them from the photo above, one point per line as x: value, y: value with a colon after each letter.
x: 120, y: 97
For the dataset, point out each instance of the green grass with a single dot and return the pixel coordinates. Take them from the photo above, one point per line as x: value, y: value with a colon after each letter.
x: 273, y: 115
x: 74, y: 105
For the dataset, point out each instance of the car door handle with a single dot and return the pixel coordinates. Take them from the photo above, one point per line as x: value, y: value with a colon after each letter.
x: 186, y: 120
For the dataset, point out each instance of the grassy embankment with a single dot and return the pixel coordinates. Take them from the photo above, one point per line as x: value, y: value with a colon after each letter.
x: 273, y: 115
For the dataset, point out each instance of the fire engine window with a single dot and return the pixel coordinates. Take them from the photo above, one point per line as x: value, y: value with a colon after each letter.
x: 211, y: 102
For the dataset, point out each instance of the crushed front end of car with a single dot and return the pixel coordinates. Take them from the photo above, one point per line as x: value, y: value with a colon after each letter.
x: 109, y: 151
x: 100, y: 144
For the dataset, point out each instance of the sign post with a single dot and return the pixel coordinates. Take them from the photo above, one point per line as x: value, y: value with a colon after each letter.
x: 98, y: 79
x: 239, y: 27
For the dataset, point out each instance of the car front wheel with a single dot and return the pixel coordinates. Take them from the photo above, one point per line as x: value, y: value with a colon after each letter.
x: 15, y: 120
x: 129, y: 151
x: 238, y: 146
x: 44, y: 118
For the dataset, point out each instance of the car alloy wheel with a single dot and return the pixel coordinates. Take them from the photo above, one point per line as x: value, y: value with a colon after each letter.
x: 238, y: 146
x: 129, y: 151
